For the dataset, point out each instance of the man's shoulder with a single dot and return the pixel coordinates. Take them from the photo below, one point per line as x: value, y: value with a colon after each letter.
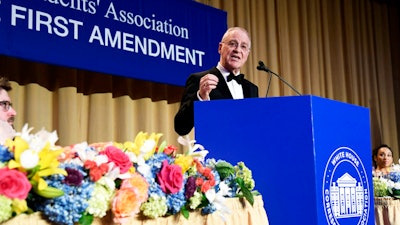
x: 251, y: 87
x: 213, y: 70
x: 249, y: 83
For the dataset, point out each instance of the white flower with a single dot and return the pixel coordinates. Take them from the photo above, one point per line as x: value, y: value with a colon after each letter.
x: 396, y: 186
x: 389, y: 183
x: 39, y: 140
x: 224, y: 189
x: 195, y: 150
x: 115, y: 172
x: 144, y: 169
x: 84, y: 153
x: 147, y: 146
x: 29, y: 159
x: 107, y: 182
x: 218, y: 199
x: 24, y: 134
x: 395, y: 168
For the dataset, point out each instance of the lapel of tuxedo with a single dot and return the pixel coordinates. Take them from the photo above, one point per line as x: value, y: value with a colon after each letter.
x: 222, y: 90
x: 246, y: 89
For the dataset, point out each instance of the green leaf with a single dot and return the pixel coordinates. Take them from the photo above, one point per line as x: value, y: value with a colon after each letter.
x: 162, y: 146
x: 224, y: 169
x: 245, y: 191
x: 204, y: 202
x: 33, y: 171
x: 86, y: 219
x: 118, y: 183
x: 49, y: 192
x: 185, y: 212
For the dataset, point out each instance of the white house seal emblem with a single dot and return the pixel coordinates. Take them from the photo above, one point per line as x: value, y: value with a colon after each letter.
x: 345, y: 189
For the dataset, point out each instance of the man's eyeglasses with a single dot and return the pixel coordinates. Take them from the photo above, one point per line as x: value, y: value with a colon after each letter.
x: 235, y: 44
x: 6, y: 105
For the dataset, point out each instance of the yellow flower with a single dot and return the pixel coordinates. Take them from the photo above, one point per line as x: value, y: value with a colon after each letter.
x: 184, y: 161
x: 19, y: 145
x: 47, y: 164
x: 144, y: 144
x: 127, y: 146
x: 19, y: 206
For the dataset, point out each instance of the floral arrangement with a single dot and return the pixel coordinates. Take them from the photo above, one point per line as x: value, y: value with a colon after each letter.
x: 78, y: 183
x: 388, y: 185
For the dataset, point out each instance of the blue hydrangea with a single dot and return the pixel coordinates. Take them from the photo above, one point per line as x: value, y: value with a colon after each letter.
x: 211, y: 162
x: 155, y: 189
x: 210, y: 208
x: 217, y: 178
x: 230, y: 181
x: 67, y: 209
x: 5, y: 154
x: 155, y: 162
x: 394, y: 176
x: 176, y: 201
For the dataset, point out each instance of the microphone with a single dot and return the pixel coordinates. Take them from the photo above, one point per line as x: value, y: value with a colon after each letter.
x: 263, y: 67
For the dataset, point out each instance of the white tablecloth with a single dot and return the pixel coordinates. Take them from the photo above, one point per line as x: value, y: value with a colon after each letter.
x: 387, y: 211
x: 242, y: 213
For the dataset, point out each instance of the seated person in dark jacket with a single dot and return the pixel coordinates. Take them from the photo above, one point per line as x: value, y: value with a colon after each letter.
x: 221, y: 82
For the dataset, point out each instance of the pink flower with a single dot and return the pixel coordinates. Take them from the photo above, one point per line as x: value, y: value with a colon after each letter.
x: 170, y: 178
x: 14, y: 184
x: 117, y: 156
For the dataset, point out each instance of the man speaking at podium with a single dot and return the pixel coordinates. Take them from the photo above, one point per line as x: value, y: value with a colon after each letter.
x: 221, y: 82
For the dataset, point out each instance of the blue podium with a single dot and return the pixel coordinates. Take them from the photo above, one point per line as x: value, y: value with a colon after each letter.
x: 310, y: 156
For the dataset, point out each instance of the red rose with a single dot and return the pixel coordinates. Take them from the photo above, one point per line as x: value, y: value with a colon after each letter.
x: 170, y: 178
x: 170, y: 150
x: 117, y: 156
x: 14, y: 184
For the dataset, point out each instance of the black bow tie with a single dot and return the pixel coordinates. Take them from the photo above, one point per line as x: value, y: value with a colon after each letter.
x: 239, y: 78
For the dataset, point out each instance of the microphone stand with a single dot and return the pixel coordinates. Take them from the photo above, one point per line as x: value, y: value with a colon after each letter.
x: 269, y: 83
x: 261, y: 66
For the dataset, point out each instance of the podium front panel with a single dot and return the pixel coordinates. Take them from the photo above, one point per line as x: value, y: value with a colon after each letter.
x: 310, y: 156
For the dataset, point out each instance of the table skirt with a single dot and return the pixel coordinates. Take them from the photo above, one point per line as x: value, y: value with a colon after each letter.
x: 386, y: 210
x: 241, y: 213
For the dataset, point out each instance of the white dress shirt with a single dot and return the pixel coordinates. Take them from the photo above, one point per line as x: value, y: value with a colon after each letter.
x: 235, y: 88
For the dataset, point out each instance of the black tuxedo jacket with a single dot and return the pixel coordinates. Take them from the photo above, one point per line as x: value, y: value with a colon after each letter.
x: 184, y: 118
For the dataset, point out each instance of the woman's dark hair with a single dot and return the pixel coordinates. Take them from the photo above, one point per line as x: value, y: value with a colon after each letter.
x: 375, y: 152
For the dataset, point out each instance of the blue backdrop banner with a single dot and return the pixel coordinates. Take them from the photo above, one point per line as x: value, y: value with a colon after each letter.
x: 161, y: 41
